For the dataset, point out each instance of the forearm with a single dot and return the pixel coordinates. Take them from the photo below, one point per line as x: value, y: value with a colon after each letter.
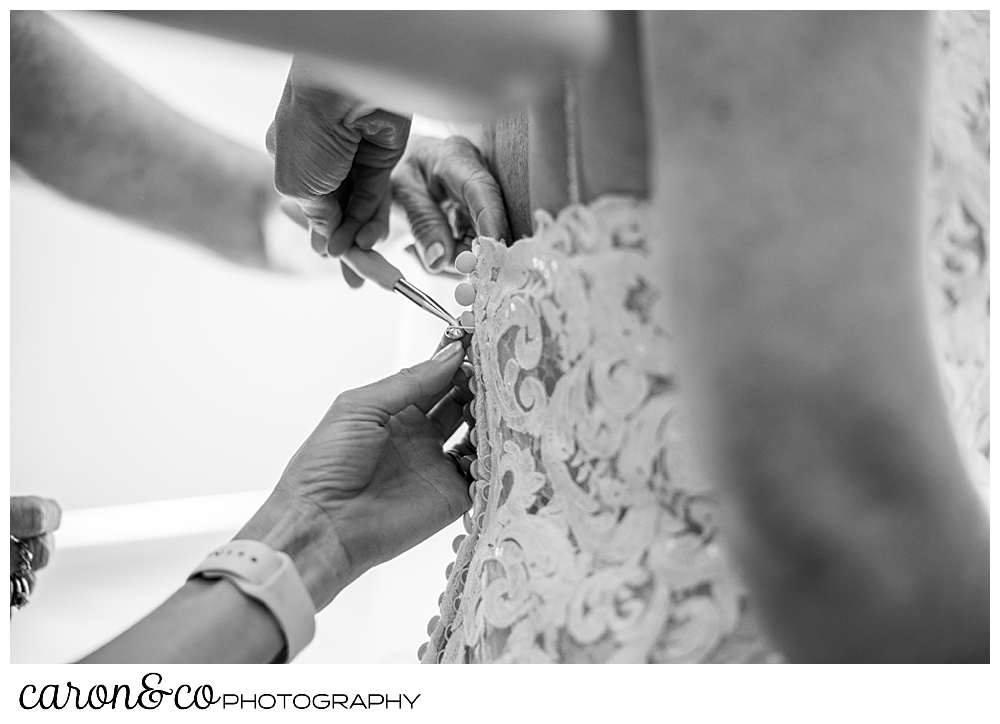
x: 80, y: 126
x: 204, y: 622
x: 789, y: 167
x: 288, y: 524
x: 470, y: 65
x: 212, y: 621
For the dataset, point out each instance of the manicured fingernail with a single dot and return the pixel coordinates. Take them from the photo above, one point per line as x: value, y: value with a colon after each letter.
x: 434, y: 252
x: 448, y: 353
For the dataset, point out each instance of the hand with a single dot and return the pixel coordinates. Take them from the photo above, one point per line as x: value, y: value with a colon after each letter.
x: 32, y: 520
x: 446, y: 177
x: 333, y: 155
x: 372, y: 479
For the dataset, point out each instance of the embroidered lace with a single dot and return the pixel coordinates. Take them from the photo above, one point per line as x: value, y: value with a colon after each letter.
x: 958, y: 204
x: 592, y: 537
x: 593, y: 534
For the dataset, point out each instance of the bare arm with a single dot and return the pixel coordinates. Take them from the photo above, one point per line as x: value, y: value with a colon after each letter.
x: 462, y: 65
x: 789, y: 152
x: 80, y: 126
x: 204, y: 622
x: 370, y: 482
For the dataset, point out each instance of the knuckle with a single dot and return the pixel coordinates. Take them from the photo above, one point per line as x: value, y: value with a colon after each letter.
x: 492, y: 217
x: 368, y: 194
x: 346, y: 400
x: 410, y: 376
x: 426, y: 229
x: 461, y: 145
x: 406, y: 374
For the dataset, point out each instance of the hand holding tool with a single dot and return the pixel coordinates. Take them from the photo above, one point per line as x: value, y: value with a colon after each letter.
x: 373, y: 266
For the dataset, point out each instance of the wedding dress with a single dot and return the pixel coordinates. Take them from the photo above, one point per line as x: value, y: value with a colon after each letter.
x: 593, y: 535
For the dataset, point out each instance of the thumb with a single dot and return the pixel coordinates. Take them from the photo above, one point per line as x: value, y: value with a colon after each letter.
x: 421, y: 384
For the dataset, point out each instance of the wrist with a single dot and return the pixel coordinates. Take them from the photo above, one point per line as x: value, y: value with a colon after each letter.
x: 244, y: 615
x: 232, y: 198
x: 303, y: 531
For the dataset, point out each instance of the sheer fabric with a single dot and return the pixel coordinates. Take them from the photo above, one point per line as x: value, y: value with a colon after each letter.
x: 593, y: 534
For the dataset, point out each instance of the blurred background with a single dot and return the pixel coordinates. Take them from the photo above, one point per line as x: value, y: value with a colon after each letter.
x: 157, y: 393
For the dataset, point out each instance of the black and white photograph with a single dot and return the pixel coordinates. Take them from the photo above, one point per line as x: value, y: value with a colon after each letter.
x: 499, y: 336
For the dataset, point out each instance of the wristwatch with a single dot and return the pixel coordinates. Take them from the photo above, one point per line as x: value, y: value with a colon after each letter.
x: 270, y: 577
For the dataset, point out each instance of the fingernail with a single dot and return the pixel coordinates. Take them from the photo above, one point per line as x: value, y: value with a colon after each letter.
x: 448, y: 353
x: 434, y: 252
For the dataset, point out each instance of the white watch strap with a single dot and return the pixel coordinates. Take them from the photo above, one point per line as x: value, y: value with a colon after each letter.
x: 268, y: 576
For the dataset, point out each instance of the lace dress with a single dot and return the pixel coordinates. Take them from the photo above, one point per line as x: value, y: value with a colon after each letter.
x: 593, y: 535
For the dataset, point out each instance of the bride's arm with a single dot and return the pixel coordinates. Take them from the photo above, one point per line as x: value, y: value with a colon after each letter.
x: 460, y: 65
x: 789, y: 152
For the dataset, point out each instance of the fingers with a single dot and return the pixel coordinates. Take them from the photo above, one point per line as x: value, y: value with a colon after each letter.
x: 371, y: 189
x: 294, y: 212
x: 354, y: 281
x: 446, y: 340
x: 492, y: 222
x: 31, y: 516
x: 378, y: 228
x: 448, y: 414
x: 485, y: 203
x: 468, y: 179
x: 311, y: 156
x: 465, y: 448
x: 428, y: 222
x: 459, y: 381
x: 395, y: 393
x: 383, y: 140
x: 436, y: 173
x: 323, y: 214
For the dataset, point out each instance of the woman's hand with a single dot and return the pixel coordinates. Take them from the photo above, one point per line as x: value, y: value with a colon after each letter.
x: 333, y: 155
x: 32, y: 520
x: 372, y: 480
x: 449, y: 196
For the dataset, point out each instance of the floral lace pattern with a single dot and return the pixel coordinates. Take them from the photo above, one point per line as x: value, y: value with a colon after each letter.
x: 593, y: 535
x: 958, y: 244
